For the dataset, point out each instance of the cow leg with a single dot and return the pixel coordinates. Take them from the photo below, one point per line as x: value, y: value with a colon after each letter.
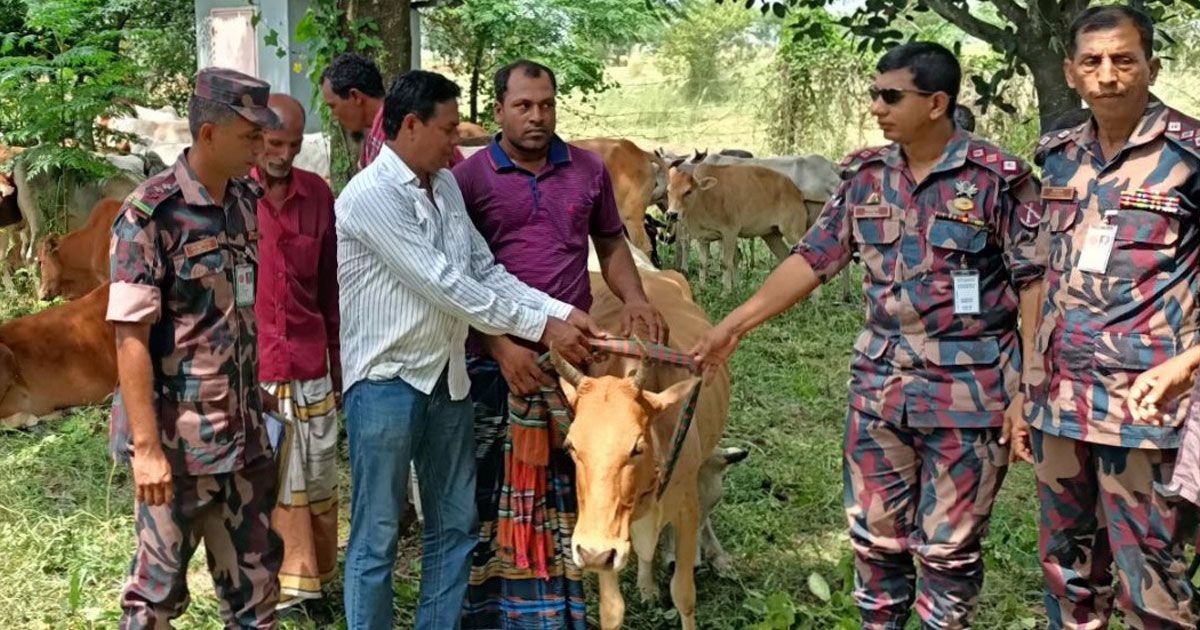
x: 644, y: 534
x: 704, y: 252
x: 612, y: 604
x: 682, y: 245
x: 777, y: 246
x: 729, y: 244
x: 711, y: 547
x: 683, y: 582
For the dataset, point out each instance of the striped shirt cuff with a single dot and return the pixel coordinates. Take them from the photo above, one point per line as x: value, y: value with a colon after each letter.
x: 133, y: 303
x: 555, y: 308
x: 531, y: 324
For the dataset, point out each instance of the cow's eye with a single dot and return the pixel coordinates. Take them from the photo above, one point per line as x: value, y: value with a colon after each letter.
x: 638, y: 448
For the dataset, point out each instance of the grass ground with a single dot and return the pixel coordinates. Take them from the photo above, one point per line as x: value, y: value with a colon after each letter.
x: 65, y: 512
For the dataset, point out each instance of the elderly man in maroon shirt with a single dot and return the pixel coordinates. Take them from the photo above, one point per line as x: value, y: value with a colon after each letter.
x: 536, y: 201
x: 297, y: 310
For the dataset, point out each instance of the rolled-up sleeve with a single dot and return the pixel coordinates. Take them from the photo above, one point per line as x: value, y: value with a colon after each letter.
x: 1020, y: 221
x: 136, y: 269
x: 827, y: 245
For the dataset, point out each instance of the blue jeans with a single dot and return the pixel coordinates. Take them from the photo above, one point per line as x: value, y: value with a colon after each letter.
x: 390, y: 423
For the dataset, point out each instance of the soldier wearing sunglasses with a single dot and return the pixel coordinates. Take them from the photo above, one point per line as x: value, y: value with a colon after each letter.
x: 946, y: 225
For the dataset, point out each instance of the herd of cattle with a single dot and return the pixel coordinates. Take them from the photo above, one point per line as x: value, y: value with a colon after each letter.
x: 64, y: 356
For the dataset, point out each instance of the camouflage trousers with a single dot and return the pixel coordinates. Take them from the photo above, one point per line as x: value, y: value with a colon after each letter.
x: 923, y: 493
x: 1102, y: 504
x: 231, y: 513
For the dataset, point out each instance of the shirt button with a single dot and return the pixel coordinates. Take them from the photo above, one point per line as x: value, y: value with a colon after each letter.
x: 279, y: 274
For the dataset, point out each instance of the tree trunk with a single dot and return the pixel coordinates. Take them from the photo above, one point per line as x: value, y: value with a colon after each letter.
x: 476, y: 70
x: 395, y: 29
x: 1054, y: 96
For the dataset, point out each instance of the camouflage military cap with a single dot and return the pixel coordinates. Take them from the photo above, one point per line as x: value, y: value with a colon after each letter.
x: 243, y: 93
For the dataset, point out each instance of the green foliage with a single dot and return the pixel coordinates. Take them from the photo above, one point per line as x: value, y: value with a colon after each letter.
x: 705, y: 46
x: 325, y: 32
x: 66, y: 63
x: 1028, y: 36
x: 820, y: 83
x: 476, y: 37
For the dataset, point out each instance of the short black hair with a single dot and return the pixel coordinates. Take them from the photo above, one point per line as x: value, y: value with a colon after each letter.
x: 1107, y: 17
x: 532, y: 69
x: 933, y: 66
x: 416, y: 92
x: 202, y: 110
x: 352, y: 71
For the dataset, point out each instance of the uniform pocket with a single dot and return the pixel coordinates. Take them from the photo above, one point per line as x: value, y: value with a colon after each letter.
x: 868, y: 373
x: 876, y: 229
x: 1144, y: 244
x: 1118, y: 360
x: 1061, y: 217
x: 962, y: 374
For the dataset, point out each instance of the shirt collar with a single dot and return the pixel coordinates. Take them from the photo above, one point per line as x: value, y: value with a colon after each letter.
x: 295, y: 186
x: 559, y: 155
x: 392, y: 168
x: 953, y: 156
x: 1151, y: 126
x: 194, y: 192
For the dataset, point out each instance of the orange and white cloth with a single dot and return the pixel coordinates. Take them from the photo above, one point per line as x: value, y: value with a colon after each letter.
x: 305, y: 515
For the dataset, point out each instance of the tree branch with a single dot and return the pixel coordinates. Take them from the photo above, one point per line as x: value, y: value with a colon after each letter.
x: 1012, y: 11
x: 962, y: 18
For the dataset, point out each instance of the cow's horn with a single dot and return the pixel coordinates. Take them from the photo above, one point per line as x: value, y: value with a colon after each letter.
x: 639, y: 377
x: 568, y: 372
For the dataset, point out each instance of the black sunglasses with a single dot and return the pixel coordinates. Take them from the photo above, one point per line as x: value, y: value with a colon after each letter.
x: 891, y: 96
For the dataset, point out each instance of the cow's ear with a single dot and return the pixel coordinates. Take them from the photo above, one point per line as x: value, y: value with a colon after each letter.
x: 707, y: 182
x: 663, y: 400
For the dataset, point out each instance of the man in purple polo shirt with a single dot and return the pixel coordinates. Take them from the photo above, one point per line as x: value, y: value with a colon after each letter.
x: 536, y: 201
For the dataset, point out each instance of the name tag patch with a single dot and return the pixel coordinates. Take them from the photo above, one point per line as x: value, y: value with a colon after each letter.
x: 202, y: 246
x: 1055, y: 193
x: 872, y: 212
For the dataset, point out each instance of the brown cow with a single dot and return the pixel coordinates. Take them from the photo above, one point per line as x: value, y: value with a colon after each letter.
x: 625, y: 415
x: 61, y: 357
x: 727, y: 202
x: 468, y: 130
x: 78, y: 262
x: 639, y: 181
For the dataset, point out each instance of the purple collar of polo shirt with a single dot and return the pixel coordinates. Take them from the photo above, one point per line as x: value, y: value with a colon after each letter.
x: 560, y: 154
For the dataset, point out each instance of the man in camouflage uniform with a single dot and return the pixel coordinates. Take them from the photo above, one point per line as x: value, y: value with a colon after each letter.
x: 188, y: 412
x: 1120, y: 199
x: 946, y: 225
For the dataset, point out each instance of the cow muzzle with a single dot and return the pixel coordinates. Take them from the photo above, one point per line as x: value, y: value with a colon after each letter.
x: 600, y: 556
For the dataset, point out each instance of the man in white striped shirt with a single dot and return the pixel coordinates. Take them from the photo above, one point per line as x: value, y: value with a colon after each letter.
x: 414, y: 276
